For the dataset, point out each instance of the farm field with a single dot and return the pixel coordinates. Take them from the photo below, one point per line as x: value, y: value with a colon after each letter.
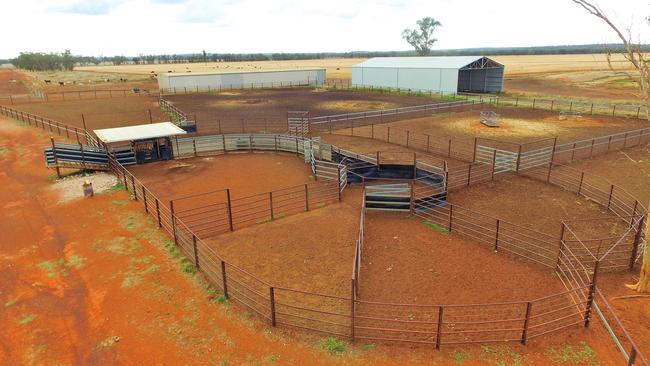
x: 582, y: 76
x: 405, y: 261
x: 516, y: 64
x: 267, y: 109
x: 515, y: 125
x: 100, y: 113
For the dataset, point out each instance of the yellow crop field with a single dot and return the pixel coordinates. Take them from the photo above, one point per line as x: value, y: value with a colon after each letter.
x: 341, y: 68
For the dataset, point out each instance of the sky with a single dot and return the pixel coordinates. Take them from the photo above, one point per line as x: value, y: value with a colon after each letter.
x: 133, y: 27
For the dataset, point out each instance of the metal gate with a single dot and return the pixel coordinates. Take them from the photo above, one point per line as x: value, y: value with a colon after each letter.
x: 388, y: 197
x: 298, y: 123
x: 502, y: 160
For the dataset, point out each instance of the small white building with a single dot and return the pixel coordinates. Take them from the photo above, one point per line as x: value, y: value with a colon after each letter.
x: 446, y: 74
x: 237, y: 80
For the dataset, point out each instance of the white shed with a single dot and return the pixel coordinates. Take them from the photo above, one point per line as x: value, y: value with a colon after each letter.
x: 446, y: 74
x: 237, y: 80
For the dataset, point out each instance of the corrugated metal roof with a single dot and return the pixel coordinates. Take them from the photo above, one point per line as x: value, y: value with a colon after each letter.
x: 171, y: 74
x: 138, y: 132
x: 432, y: 62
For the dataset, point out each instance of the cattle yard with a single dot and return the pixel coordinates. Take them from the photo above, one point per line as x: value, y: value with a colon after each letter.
x: 383, y: 217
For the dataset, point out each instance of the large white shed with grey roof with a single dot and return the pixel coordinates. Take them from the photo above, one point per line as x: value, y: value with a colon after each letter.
x: 446, y: 74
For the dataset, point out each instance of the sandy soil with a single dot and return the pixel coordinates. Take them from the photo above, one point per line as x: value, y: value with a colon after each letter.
x: 70, y: 188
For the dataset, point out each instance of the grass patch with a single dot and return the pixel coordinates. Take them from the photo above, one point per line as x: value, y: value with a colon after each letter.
x: 119, y: 202
x: 119, y: 186
x: 221, y: 299
x: 3, y: 151
x: 502, y: 356
x: 76, y: 262
x: 26, y: 319
x: 368, y: 346
x: 570, y: 354
x: 52, y: 268
x: 436, y: 227
x: 460, y: 357
x: 11, y: 302
x: 335, y: 346
x: 321, y: 205
x: 187, y: 266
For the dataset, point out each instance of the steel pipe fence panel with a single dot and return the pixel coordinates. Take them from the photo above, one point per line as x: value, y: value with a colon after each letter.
x: 396, y: 322
x: 631, y: 353
x: 454, y: 324
x: 303, y: 310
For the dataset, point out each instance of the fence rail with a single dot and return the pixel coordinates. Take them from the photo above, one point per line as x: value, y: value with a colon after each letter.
x: 348, y: 316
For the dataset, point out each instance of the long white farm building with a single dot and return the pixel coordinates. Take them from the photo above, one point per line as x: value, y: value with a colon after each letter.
x: 236, y: 80
x: 447, y: 74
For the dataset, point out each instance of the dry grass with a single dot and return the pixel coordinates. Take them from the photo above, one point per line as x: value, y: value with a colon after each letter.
x: 342, y: 67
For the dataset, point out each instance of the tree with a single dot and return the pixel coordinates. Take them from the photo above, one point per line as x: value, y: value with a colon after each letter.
x: 422, y: 39
x: 633, y: 53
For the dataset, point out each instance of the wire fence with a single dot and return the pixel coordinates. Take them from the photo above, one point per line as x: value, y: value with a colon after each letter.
x: 43, y: 97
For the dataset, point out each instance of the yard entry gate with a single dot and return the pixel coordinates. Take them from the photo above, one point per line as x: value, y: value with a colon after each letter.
x: 298, y: 123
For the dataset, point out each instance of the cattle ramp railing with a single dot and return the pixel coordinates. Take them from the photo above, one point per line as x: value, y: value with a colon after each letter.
x: 60, y: 155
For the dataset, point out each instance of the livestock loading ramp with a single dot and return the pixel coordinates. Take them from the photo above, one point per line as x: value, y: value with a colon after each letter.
x: 84, y: 157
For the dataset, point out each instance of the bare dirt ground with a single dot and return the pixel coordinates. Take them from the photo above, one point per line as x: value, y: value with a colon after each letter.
x: 527, y: 202
x: 245, y: 174
x: 406, y: 259
x: 78, y: 80
x: 273, y: 104
x: 369, y: 146
x: 516, y: 124
x: 13, y: 82
x: 307, y: 251
x: 562, y: 86
x: 100, y: 113
x: 52, y: 267
x: 629, y: 169
x: 75, y: 292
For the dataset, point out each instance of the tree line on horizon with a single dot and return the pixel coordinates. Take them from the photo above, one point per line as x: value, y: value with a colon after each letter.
x: 40, y: 61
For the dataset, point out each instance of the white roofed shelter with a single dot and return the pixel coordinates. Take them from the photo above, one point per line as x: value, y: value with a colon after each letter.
x: 446, y: 74
x: 150, y: 142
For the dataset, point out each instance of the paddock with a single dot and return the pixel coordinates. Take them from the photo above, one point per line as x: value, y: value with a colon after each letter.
x: 243, y: 173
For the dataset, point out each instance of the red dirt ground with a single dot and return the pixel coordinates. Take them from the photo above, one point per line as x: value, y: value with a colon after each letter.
x: 79, y: 293
x: 308, y: 258
x: 629, y: 168
x: 99, y: 113
x: 516, y: 124
x: 121, y: 284
x: 274, y: 103
x: 369, y: 146
x: 245, y: 174
x: 13, y: 82
x: 407, y: 260
x: 528, y: 202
